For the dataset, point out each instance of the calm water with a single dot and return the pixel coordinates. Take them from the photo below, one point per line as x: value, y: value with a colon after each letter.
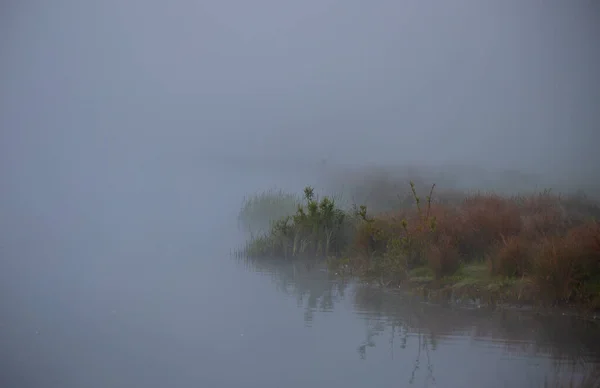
x: 144, y: 293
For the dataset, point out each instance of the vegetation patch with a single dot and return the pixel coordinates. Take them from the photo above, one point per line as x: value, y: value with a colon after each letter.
x: 540, y: 248
x: 317, y: 228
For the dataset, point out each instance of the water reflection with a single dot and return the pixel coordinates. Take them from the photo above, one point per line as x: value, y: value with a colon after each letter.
x: 556, y: 336
x: 314, y: 288
x: 570, y: 343
x: 536, y: 349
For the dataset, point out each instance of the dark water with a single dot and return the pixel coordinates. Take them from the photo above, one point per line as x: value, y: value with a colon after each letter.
x: 145, y: 294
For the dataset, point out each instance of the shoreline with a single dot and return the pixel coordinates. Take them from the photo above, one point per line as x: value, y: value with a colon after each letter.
x: 538, y: 249
x: 490, y: 294
x: 468, y: 294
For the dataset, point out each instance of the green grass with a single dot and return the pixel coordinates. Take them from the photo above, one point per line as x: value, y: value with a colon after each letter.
x: 470, y: 274
x: 420, y: 274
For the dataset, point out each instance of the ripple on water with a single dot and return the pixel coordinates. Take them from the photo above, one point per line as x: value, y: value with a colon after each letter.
x: 396, y: 334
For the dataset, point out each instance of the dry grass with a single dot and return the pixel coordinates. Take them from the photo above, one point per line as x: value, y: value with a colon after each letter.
x: 512, y: 257
x: 567, y: 267
x: 543, y: 239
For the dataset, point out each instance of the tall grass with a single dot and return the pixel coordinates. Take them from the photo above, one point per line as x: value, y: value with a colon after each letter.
x: 260, y: 210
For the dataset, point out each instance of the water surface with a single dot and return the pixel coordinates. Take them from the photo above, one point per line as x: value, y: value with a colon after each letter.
x: 145, y: 293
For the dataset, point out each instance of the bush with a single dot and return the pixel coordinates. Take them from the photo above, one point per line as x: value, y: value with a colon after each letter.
x: 317, y: 228
x: 486, y: 219
x: 512, y: 257
x: 567, y: 268
x: 443, y: 257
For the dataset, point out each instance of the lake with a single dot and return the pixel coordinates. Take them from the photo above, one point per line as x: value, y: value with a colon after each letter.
x: 136, y: 287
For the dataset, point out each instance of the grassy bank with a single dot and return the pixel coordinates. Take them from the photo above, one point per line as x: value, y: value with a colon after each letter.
x: 529, y: 249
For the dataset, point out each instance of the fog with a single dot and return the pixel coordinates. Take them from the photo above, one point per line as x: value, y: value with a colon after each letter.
x: 130, y: 130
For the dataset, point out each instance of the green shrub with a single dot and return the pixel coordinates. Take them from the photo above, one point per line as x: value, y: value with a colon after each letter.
x: 317, y: 228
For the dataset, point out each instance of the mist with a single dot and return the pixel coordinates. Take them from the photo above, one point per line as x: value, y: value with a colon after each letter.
x: 130, y: 130
x: 104, y: 103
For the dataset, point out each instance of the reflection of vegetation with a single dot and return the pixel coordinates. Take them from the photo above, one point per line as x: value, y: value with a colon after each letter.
x: 425, y: 346
x: 570, y: 341
x: 308, y: 281
x: 372, y: 331
x: 571, y: 376
x: 557, y: 336
x: 407, y: 325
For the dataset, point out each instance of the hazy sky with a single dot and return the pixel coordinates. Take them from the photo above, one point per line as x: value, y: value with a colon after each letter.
x: 97, y: 90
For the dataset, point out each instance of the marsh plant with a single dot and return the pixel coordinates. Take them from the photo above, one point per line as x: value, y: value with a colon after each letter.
x: 260, y: 210
x: 537, y: 248
x: 317, y: 228
x: 387, y: 247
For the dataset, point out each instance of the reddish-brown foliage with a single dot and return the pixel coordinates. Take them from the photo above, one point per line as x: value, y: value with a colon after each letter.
x: 532, y: 236
x: 486, y: 219
x: 542, y: 215
x: 442, y: 256
x: 551, y: 241
x: 567, y: 267
x: 512, y: 257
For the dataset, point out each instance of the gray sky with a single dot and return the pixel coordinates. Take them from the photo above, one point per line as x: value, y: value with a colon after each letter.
x: 112, y: 92
x: 511, y: 82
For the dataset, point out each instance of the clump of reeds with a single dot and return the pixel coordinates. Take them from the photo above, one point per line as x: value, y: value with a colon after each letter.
x: 260, y: 210
x: 316, y: 228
